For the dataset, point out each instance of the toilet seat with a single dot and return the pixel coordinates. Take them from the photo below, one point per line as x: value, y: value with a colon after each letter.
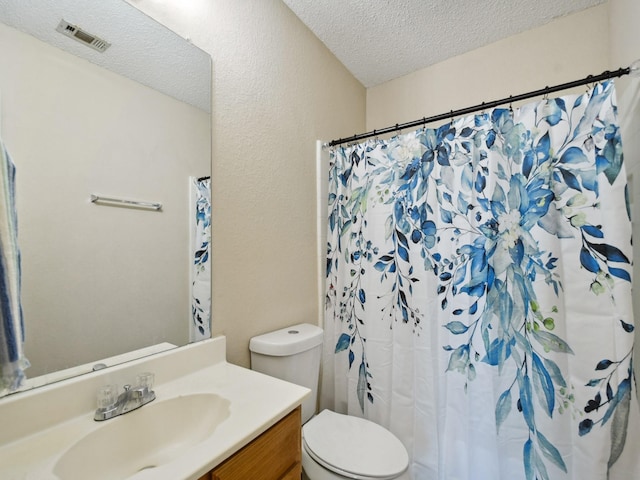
x: 354, y: 447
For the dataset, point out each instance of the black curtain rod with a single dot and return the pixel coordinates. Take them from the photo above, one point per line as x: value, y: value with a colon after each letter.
x: 484, y: 105
x: 204, y: 178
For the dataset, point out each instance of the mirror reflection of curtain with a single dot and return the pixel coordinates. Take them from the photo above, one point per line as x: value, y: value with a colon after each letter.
x: 479, y: 293
x: 12, y: 359
x: 201, y: 260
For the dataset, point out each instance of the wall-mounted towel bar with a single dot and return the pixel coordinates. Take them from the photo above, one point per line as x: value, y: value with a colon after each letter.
x: 120, y: 202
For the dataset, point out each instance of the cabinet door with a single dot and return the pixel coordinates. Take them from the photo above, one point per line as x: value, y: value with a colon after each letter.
x: 275, y: 455
x: 294, y: 474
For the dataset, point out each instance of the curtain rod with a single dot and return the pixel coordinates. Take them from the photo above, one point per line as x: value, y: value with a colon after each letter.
x: 634, y: 68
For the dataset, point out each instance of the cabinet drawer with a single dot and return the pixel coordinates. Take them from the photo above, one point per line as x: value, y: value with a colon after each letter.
x: 274, y: 455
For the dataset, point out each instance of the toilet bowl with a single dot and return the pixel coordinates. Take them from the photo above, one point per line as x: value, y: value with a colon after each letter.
x: 338, y: 447
x: 334, y: 446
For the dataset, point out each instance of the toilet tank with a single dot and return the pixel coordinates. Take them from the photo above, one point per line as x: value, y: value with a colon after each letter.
x: 292, y: 354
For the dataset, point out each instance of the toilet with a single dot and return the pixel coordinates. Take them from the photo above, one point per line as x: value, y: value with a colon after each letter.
x: 334, y: 446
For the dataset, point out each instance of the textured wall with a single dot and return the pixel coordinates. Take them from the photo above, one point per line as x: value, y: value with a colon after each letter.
x: 567, y: 48
x: 277, y: 90
x: 624, y: 28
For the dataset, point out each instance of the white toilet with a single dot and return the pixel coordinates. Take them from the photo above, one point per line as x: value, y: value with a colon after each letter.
x: 334, y: 446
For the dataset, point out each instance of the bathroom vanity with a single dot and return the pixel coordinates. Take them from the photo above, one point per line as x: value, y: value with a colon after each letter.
x: 210, y: 421
x: 273, y: 455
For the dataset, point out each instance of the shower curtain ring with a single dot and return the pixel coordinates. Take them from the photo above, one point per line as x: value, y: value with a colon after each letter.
x: 511, y: 104
x: 589, y: 83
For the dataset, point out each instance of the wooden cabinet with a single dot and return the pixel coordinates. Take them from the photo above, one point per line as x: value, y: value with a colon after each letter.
x: 274, y: 455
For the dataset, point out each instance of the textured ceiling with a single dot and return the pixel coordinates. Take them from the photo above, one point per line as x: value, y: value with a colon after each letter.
x: 379, y: 40
x: 141, y: 49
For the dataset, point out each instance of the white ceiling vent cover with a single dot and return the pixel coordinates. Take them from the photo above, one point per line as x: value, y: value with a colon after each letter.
x: 75, y: 32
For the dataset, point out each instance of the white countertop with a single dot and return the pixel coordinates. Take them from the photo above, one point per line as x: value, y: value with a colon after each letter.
x: 39, y: 426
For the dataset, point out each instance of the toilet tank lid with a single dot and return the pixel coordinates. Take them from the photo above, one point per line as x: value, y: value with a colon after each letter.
x: 287, y: 341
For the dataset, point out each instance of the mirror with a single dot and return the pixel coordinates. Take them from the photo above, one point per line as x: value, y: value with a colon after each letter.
x: 104, y: 279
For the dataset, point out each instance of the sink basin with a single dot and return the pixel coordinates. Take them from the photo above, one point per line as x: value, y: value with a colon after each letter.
x: 146, y: 438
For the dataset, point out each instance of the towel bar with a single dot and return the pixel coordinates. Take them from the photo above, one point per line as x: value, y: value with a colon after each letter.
x: 125, y: 203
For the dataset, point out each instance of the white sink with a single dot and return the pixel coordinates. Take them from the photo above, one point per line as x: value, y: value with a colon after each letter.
x: 149, y: 437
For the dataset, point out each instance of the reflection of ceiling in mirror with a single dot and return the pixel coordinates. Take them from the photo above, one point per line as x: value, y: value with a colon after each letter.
x: 141, y: 49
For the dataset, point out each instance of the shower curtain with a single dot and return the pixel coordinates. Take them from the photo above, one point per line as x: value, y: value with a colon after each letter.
x: 201, y: 260
x: 478, y: 299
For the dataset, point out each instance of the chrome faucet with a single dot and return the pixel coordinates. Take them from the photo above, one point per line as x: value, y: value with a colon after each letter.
x: 110, y: 406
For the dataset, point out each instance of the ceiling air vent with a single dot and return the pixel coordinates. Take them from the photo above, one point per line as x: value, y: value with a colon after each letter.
x: 75, y: 32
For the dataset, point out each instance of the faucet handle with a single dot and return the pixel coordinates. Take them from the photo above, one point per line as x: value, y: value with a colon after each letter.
x: 107, y: 396
x: 146, y: 380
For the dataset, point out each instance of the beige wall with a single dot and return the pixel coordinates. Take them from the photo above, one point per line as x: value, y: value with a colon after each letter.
x: 93, y: 284
x: 565, y: 49
x: 277, y: 89
x: 624, y: 29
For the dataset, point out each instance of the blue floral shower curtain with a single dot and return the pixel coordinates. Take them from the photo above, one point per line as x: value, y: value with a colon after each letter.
x: 201, y: 260
x: 479, y: 293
